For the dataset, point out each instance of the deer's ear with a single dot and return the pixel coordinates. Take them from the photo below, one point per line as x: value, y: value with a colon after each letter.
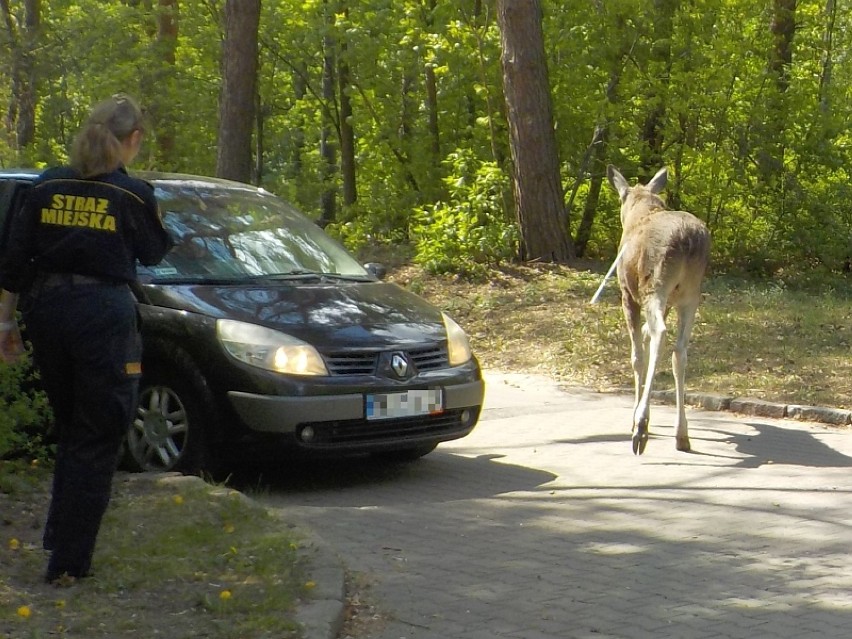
x: 618, y: 182
x: 658, y: 182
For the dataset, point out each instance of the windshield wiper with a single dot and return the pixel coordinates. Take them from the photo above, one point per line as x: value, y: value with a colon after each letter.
x: 236, y: 279
x: 305, y: 274
x: 348, y: 278
x: 285, y: 275
x: 194, y: 279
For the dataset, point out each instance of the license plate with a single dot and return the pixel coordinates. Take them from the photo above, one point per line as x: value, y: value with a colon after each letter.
x: 408, y: 404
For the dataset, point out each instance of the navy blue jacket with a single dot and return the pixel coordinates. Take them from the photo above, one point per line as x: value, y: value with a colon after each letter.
x: 98, y: 227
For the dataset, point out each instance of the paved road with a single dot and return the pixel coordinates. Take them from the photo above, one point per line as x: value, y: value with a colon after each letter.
x: 542, y: 524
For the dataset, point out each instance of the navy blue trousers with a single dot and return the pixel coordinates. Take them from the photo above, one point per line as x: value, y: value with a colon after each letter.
x: 87, y: 348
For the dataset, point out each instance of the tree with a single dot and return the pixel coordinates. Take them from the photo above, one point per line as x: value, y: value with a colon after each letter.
x: 328, y: 149
x: 539, y: 207
x: 237, y: 97
x: 157, y: 79
x: 21, y: 35
x: 346, y: 131
x: 662, y: 30
x: 432, y: 92
x: 770, y: 155
x: 594, y: 159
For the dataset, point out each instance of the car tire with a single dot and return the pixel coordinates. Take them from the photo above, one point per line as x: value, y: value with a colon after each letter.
x: 169, y: 432
x: 406, y: 455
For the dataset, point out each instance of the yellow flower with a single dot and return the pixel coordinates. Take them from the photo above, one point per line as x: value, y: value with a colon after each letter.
x: 24, y: 612
x: 14, y: 544
x: 178, y: 499
x: 225, y: 595
x: 60, y: 603
x: 310, y: 584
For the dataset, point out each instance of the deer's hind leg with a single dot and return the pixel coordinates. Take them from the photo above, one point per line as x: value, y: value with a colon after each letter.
x: 655, y: 332
x: 686, y: 319
x: 633, y: 319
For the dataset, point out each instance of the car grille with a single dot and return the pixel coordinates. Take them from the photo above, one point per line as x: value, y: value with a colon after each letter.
x: 346, y: 433
x: 428, y: 358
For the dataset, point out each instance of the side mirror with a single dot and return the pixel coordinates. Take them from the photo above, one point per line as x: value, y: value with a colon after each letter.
x: 376, y: 269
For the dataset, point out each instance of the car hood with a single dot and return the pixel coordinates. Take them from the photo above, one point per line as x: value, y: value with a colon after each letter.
x: 338, y: 315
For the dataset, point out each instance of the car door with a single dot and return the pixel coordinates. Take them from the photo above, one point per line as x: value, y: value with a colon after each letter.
x: 12, y: 192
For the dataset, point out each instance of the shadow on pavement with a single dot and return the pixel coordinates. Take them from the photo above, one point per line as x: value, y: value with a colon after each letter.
x: 767, y: 444
x: 364, y: 482
x: 776, y: 445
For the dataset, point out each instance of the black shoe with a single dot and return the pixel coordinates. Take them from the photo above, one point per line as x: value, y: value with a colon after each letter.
x: 60, y: 581
x: 65, y: 578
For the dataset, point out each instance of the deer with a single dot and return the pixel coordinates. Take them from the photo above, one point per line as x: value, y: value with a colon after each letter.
x: 662, y: 259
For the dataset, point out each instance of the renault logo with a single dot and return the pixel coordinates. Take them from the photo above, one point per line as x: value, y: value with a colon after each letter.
x: 399, y: 364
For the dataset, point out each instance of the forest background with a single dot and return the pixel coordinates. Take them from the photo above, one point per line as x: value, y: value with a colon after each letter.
x: 473, y: 132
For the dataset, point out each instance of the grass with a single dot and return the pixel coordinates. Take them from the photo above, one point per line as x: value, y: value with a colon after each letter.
x: 180, y: 559
x: 785, y: 340
x: 176, y: 558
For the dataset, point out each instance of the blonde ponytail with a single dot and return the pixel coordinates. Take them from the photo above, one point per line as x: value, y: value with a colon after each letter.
x: 97, y: 147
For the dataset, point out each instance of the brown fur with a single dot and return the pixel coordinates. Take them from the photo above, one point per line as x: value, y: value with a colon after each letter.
x: 664, y: 256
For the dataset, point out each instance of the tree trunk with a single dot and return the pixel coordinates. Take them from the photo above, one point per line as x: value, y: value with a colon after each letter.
x: 293, y: 167
x: 660, y: 67
x: 828, y: 54
x: 237, y: 99
x: 20, y: 114
x: 594, y: 161
x: 156, y: 79
x: 432, y: 97
x: 770, y: 154
x: 167, y: 34
x: 347, y: 137
x: 783, y: 30
x: 596, y: 164
x: 539, y: 206
x: 328, y: 152
x: 259, y: 121
x: 347, y: 133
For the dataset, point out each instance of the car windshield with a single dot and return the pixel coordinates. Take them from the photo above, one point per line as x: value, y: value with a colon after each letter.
x: 234, y: 233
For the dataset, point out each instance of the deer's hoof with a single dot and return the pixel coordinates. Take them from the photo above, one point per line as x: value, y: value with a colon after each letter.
x: 640, y: 440
x: 683, y: 445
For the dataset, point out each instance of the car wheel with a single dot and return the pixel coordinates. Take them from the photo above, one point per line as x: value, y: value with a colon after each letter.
x: 168, y: 431
x: 405, y: 455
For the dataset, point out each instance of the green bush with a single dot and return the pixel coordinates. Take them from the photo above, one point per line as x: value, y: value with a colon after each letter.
x: 469, y: 232
x: 25, y: 414
x: 360, y: 228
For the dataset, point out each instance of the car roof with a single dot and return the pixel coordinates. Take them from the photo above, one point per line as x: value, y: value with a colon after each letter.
x: 184, y: 179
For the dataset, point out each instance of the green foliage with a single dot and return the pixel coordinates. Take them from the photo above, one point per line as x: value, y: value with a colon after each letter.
x: 469, y: 231
x: 360, y: 228
x: 24, y: 414
x: 695, y: 73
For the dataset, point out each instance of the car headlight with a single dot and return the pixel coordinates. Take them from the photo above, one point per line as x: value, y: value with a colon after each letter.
x: 457, y: 343
x: 269, y: 349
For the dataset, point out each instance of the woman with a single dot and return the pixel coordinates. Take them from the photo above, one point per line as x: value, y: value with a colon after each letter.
x: 72, y: 256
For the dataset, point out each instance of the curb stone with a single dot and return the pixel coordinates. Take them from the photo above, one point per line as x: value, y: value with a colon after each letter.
x: 321, y: 616
x: 759, y: 407
x: 835, y: 416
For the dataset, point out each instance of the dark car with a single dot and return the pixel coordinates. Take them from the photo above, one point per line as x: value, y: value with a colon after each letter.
x: 259, y: 328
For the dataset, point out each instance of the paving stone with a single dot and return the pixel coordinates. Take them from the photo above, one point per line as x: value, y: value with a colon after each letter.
x: 542, y: 524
